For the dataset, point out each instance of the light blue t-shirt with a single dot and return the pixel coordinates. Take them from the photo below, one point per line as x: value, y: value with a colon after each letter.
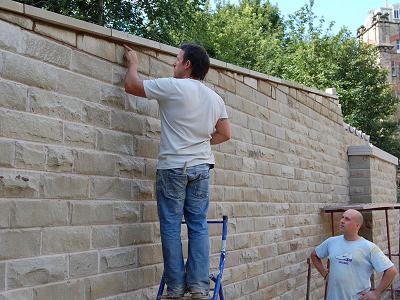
x: 351, y: 266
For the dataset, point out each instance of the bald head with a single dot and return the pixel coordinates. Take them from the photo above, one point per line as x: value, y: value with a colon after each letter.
x: 351, y: 223
x: 356, y: 216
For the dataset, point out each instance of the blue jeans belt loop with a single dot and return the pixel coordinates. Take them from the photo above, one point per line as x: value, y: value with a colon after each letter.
x: 184, y: 167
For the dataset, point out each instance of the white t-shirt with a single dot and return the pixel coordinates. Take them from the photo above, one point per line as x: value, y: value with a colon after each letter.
x: 189, y: 111
x: 351, y: 266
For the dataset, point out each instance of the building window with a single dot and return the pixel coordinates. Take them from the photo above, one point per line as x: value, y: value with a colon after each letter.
x: 394, y: 69
x: 398, y: 46
x: 396, y: 14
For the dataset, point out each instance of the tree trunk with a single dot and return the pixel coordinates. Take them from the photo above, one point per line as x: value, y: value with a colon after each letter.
x: 100, y: 19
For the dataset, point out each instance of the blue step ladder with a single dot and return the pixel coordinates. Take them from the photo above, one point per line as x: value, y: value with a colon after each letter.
x: 217, y: 278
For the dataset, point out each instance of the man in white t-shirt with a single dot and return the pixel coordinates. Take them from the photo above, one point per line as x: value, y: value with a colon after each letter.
x: 352, y: 261
x: 193, y: 117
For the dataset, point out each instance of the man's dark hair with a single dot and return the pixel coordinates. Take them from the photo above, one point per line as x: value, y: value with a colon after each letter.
x: 198, y: 57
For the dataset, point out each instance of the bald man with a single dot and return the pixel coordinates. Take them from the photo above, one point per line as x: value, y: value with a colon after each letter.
x: 352, y: 261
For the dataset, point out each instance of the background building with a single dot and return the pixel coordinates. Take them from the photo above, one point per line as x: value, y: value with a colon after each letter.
x: 382, y: 29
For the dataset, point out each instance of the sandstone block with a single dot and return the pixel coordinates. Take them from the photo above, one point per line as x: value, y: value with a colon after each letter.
x: 7, y: 153
x: 212, y: 76
x: 45, y: 50
x: 167, y: 58
x: 76, y: 85
x: 90, y: 213
x: 36, y: 271
x: 91, y: 66
x: 118, y: 75
x: 16, y: 19
x: 113, y: 141
x: 65, y: 21
x: 59, y: 159
x: 68, y: 290
x: 19, y: 185
x: 95, y: 163
x: 118, y: 259
x: 96, y: 46
x: 160, y: 69
x: 150, y: 168
x: 128, y: 122
x: 105, y: 237
x: 96, y: 115
x: 143, y: 106
x: 28, y: 127
x: 19, y: 244
x: 39, y: 213
x: 6, y: 208
x: 111, y: 189
x: 149, y: 255
x: 83, y: 264
x: 244, y: 91
x: 141, y: 278
x: 143, y: 190
x: 105, y: 285
x: 54, y: 105
x: 29, y: 71
x: 30, y: 156
x: 130, y: 166
x: 2, y: 276
x: 10, y: 37
x: 359, y: 162
x: 126, y: 212
x: 13, y: 96
x: 250, y: 82
x: 136, y: 234
x: 113, y: 96
x: 226, y: 82
x: 65, y: 239
x: 25, y: 294
x: 65, y: 36
x: 147, y: 147
x: 78, y: 135
x: 152, y: 127
x: 64, y: 187
x: 150, y: 212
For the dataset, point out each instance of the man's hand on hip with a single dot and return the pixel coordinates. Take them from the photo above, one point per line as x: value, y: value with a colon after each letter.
x: 371, y: 295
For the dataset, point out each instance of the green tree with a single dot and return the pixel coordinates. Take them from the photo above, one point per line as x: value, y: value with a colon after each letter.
x: 312, y: 55
x: 247, y: 34
x: 167, y: 21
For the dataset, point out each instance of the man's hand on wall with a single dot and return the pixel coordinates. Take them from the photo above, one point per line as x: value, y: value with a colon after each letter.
x: 130, y: 56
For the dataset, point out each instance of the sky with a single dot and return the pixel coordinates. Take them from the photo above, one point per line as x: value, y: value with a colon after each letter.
x: 349, y: 13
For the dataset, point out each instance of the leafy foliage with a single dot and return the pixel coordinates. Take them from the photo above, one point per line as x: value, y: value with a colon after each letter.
x: 167, y: 21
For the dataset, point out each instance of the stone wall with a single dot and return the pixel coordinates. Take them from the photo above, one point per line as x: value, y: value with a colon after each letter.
x: 77, y: 166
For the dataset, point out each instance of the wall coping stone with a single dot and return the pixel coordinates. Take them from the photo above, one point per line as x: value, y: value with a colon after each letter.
x: 86, y: 27
x: 371, y: 150
x: 356, y: 132
x: 12, y: 6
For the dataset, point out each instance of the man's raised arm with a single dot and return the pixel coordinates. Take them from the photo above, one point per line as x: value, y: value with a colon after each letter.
x: 133, y: 85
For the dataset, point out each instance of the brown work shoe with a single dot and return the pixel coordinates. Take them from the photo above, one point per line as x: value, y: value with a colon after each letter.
x: 200, y: 296
x: 176, y: 297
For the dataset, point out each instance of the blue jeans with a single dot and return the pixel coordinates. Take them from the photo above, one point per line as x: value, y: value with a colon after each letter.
x: 184, y: 192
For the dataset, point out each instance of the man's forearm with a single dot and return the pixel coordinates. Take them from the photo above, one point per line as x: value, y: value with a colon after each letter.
x: 386, y: 280
x: 133, y: 85
x: 217, y: 138
x: 319, y: 265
